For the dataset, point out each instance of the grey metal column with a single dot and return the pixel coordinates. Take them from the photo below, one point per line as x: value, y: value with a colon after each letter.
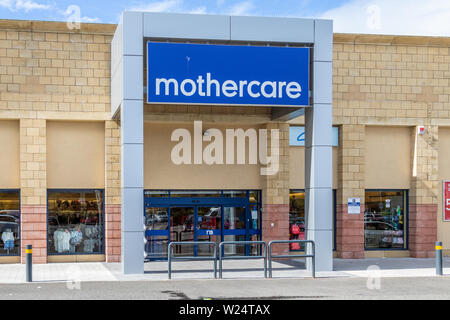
x: 132, y: 144
x: 318, y: 153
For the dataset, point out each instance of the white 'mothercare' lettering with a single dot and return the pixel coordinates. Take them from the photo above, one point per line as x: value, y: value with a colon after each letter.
x: 167, y: 86
x: 229, y: 88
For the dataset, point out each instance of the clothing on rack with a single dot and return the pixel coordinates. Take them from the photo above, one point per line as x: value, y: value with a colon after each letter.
x: 61, y: 238
x: 9, y: 245
x: 92, y: 242
x: 75, y: 237
x: 8, y: 240
x: 7, y: 235
x: 91, y: 231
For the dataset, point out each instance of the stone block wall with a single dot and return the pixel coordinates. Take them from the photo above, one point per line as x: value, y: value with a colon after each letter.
x: 49, y: 72
x: 113, y: 192
x: 275, y: 224
x: 33, y: 184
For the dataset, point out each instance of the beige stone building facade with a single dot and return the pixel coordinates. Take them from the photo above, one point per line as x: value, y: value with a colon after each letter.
x: 384, y: 88
x: 57, y: 137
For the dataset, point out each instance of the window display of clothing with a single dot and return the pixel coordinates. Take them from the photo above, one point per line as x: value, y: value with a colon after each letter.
x: 8, y: 240
x: 10, y: 228
x: 75, y: 222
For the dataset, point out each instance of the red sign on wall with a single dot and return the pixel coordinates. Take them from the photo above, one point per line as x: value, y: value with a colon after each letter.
x: 446, y: 200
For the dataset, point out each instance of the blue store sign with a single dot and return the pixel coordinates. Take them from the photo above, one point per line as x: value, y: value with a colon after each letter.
x: 227, y: 75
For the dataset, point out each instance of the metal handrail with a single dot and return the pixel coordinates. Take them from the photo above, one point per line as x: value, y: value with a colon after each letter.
x: 171, y: 257
x: 313, y: 255
x: 222, y: 257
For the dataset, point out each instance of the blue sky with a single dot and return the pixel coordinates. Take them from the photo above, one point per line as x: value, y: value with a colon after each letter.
x: 408, y: 17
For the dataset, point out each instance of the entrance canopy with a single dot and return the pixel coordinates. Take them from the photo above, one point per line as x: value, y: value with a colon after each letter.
x: 284, y: 64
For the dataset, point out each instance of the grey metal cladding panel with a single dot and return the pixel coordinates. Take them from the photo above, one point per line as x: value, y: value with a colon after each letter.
x: 323, y: 46
x: 323, y: 82
x: 272, y: 29
x: 116, y: 49
x: 186, y: 26
x: 132, y: 33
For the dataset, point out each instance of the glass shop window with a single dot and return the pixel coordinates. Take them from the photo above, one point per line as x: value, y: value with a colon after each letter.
x: 75, y: 222
x: 297, y: 224
x: 385, y: 220
x: 297, y: 219
x: 9, y: 223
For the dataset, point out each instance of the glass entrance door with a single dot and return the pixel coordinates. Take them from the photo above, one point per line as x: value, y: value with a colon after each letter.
x: 156, y: 231
x: 182, y: 228
x: 214, y: 217
x: 195, y: 224
x: 234, y: 229
x: 209, y: 228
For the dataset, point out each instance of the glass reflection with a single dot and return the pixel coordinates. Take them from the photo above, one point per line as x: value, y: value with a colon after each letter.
x: 384, y: 220
x: 9, y: 223
x: 156, y: 219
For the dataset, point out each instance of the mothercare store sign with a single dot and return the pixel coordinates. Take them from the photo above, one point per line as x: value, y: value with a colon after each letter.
x: 446, y: 195
x: 227, y: 75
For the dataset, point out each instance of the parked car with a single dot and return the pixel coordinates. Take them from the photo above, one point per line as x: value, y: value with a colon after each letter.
x: 157, y: 217
x: 15, y: 213
x: 161, y: 216
x: 378, y: 226
x: 8, y: 221
x: 207, y: 222
x: 382, y: 234
x: 373, y: 216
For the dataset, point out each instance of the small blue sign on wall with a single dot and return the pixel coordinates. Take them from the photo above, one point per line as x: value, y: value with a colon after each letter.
x: 297, y: 136
x: 227, y: 75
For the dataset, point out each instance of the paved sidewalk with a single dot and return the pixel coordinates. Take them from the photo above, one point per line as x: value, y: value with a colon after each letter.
x: 233, y: 269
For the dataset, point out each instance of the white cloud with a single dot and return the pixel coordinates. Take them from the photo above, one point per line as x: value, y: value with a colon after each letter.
x: 25, y: 5
x: 168, y: 6
x: 90, y: 20
x: 6, y: 4
x: 159, y: 6
x: 199, y: 10
x: 241, y: 8
x: 400, y: 17
x: 30, y: 5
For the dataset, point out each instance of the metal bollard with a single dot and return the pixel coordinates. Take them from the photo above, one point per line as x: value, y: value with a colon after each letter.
x: 439, y: 258
x: 169, y: 261
x: 29, y: 262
